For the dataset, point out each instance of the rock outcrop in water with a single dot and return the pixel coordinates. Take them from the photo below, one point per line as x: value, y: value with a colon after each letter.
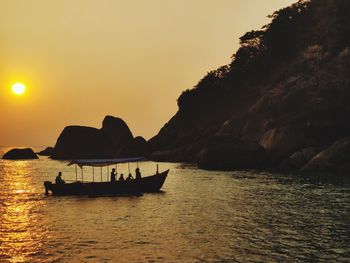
x: 116, y: 132
x: 20, y: 154
x: 114, y: 139
x: 283, y: 102
x: 81, y: 142
x: 48, y: 151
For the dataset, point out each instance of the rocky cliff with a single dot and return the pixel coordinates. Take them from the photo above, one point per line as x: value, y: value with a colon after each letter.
x: 283, y: 102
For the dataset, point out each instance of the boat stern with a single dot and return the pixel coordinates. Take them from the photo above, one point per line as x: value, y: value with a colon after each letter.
x: 48, y: 186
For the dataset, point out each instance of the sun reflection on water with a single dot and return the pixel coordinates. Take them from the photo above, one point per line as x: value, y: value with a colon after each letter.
x: 22, y: 234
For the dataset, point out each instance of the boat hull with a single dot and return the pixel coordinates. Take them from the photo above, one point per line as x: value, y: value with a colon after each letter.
x: 133, y: 187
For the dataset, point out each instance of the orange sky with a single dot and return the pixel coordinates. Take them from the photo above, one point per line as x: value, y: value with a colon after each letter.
x: 84, y: 59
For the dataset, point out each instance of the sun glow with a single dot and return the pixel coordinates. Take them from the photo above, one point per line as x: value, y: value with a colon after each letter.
x: 18, y: 88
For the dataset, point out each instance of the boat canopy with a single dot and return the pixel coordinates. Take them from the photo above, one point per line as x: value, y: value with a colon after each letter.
x: 105, y: 162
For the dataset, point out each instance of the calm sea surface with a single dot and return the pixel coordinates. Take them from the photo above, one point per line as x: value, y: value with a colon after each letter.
x: 200, y: 216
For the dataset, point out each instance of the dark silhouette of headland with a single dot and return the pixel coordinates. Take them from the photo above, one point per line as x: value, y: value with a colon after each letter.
x: 283, y: 102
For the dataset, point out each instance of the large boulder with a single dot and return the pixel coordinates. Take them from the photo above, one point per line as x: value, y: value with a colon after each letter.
x: 20, y: 154
x: 48, y: 151
x: 138, y: 147
x: 284, y: 141
x: 116, y: 132
x: 228, y: 152
x: 334, y: 158
x: 81, y: 142
x: 298, y: 159
x: 310, y: 152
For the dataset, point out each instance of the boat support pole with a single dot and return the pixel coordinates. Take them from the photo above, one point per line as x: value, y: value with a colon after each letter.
x: 129, y: 167
x: 76, y: 173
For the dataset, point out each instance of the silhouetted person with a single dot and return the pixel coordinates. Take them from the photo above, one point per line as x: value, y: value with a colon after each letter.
x: 113, y: 175
x: 59, y: 180
x: 129, y: 177
x: 121, y: 178
x: 137, y: 173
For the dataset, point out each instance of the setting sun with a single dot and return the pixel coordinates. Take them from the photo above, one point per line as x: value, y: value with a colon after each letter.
x: 18, y: 88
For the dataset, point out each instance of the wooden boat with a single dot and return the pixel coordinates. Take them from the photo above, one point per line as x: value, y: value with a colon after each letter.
x: 146, y: 184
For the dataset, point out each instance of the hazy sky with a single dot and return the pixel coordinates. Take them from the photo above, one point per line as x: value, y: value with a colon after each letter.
x: 84, y: 59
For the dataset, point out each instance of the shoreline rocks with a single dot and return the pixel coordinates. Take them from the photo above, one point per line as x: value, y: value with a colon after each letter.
x: 228, y: 153
x: 336, y: 158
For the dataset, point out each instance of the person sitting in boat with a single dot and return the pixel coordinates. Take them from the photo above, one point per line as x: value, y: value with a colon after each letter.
x: 129, y: 177
x: 113, y: 174
x: 121, y: 178
x: 59, y: 180
x: 137, y: 173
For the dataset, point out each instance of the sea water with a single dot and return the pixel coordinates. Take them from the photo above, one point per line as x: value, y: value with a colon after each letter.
x: 200, y: 216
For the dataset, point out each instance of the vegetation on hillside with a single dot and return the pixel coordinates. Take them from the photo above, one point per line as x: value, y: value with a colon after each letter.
x: 321, y: 24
